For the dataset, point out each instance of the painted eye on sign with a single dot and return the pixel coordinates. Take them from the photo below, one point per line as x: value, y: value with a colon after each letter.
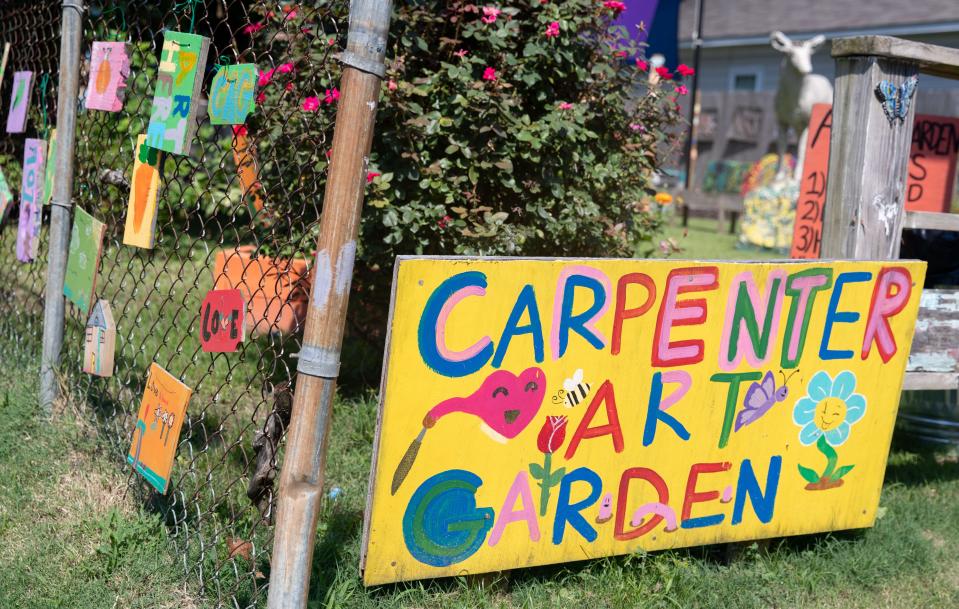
x: 222, y: 321
x: 232, y: 94
x: 109, y: 68
x: 173, y: 116
x: 19, y: 102
x: 543, y: 411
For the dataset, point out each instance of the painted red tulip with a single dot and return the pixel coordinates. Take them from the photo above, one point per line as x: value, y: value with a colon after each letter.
x: 552, y: 434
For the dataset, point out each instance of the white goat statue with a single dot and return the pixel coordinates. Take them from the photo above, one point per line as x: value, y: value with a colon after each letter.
x: 799, y: 89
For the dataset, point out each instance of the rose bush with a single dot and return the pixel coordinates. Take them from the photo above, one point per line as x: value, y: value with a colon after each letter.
x: 522, y: 127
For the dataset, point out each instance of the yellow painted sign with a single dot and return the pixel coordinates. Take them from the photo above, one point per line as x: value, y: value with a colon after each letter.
x: 157, y: 431
x: 542, y: 411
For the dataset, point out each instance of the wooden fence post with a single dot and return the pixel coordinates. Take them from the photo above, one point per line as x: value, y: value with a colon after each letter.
x: 868, y: 159
x: 301, y: 479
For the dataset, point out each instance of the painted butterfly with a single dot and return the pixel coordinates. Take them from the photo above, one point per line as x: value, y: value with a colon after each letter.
x: 895, y: 100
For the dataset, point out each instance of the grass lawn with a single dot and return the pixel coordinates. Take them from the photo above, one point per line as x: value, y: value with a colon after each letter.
x: 701, y: 241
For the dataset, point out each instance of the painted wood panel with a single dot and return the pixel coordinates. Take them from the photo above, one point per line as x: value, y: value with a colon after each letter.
x: 544, y: 411
x: 157, y: 430
x: 232, y: 94
x: 83, y: 262
x: 140, y: 227
x: 31, y: 194
x: 109, y: 69
x: 173, y: 119
x: 21, y: 91
x: 100, y: 339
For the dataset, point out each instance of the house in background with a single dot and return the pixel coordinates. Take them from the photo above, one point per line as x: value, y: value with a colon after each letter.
x: 739, y: 70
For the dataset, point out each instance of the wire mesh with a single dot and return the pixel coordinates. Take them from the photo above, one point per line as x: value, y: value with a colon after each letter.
x: 214, y: 228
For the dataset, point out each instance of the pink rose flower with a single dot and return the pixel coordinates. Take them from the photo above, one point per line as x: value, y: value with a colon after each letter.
x: 285, y: 68
x: 290, y: 15
x: 391, y: 85
x: 685, y: 70
x: 239, y: 130
x: 289, y: 86
x: 619, y: 53
x: 253, y: 28
x: 664, y: 72
x: 642, y: 65
x: 615, y: 6
x: 331, y: 95
x: 489, y: 74
x: 490, y: 13
x: 444, y: 221
x: 310, y: 104
x: 261, y: 97
x: 682, y: 90
x: 371, y: 176
x: 265, y: 78
x: 552, y: 29
x: 565, y: 106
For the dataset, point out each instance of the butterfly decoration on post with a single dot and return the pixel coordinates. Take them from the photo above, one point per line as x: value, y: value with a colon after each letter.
x: 895, y: 100
x: 760, y: 397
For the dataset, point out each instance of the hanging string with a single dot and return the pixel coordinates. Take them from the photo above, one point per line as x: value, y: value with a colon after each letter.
x: 44, y: 81
x: 187, y: 5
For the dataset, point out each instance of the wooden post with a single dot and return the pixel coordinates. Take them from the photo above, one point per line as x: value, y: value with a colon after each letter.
x: 868, y: 160
x: 301, y: 479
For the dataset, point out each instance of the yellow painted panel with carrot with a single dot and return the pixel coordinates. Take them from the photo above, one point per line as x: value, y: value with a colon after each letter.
x: 538, y: 411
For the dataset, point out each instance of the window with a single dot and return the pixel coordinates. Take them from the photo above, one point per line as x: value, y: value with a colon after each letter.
x: 745, y: 80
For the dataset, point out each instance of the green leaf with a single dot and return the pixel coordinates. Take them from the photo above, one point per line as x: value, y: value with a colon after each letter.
x: 841, y: 471
x: 810, y: 476
x: 557, y: 476
x: 537, y: 471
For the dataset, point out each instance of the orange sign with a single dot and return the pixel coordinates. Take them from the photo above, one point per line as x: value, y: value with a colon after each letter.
x: 157, y: 431
x: 932, y: 172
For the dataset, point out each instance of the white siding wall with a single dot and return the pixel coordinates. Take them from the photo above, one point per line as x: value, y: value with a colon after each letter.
x: 719, y: 64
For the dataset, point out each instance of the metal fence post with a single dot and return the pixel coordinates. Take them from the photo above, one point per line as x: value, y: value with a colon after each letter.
x: 301, y: 480
x: 61, y: 202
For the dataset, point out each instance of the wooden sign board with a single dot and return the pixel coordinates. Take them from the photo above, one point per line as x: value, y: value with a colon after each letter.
x: 19, y: 102
x: 50, y: 168
x: 86, y: 245
x: 244, y: 155
x: 157, y: 430
x: 6, y: 197
x: 544, y: 411
x: 929, y: 187
x: 100, y: 340
x: 222, y: 321
x: 232, y: 94
x: 109, y: 68
x: 31, y: 193
x: 173, y: 117
x: 141, y: 222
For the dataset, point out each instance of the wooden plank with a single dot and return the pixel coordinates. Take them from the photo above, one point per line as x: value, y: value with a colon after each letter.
x: 935, y: 346
x: 931, y: 59
x: 868, y: 161
x: 931, y: 220
x: 925, y: 381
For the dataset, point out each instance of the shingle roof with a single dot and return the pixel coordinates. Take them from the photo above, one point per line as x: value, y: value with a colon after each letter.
x: 736, y: 18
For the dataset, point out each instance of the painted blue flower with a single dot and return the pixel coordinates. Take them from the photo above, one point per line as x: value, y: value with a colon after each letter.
x: 830, y: 407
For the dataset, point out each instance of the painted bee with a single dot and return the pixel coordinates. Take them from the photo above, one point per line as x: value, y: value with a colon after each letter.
x: 576, y: 389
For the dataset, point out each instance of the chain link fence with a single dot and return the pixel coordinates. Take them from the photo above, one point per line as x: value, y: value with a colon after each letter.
x: 240, y: 211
